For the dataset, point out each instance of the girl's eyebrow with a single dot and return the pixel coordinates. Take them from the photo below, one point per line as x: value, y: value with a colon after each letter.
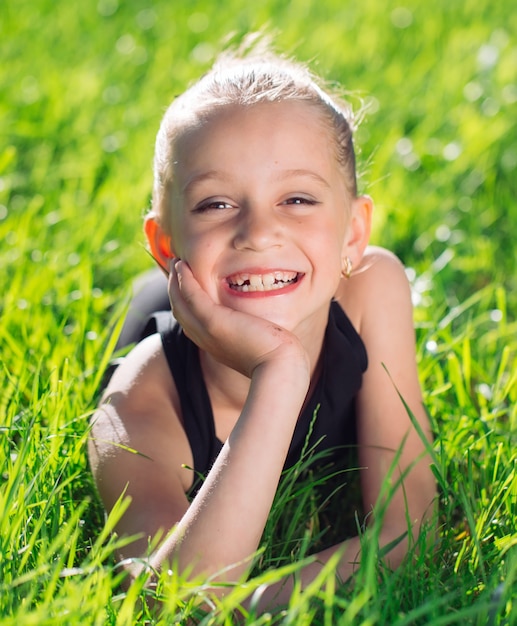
x: 200, y: 177
x: 297, y: 173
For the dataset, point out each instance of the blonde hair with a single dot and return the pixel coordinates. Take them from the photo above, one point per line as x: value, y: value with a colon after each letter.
x: 255, y: 77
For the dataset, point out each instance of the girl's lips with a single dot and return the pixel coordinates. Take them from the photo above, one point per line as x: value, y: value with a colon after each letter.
x: 264, y: 283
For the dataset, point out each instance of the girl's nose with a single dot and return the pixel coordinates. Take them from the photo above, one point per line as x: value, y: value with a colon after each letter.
x: 257, y: 230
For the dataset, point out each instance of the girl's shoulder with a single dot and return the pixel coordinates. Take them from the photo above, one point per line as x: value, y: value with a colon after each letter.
x: 142, y: 372
x: 140, y: 410
x: 378, y: 262
x: 378, y: 284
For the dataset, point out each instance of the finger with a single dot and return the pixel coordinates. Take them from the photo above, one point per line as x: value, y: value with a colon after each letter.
x: 188, y: 295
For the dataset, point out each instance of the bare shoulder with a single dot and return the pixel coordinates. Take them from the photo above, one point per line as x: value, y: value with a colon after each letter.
x: 378, y: 264
x: 379, y: 281
x: 138, y: 387
x: 137, y: 440
x: 379, y: 254
x: 143, y: 376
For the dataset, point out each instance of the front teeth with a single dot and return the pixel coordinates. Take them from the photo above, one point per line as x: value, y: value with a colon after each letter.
x: 261, y: 282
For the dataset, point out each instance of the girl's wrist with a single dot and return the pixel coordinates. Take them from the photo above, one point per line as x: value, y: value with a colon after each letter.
x: 289, y: 363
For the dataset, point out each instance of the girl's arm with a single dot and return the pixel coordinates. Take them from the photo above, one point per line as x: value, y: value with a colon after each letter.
x: 378, y: 301
x: 223, y: 525
x: 385, y: 427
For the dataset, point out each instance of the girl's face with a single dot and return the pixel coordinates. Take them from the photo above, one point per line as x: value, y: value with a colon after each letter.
x: 260, y: 211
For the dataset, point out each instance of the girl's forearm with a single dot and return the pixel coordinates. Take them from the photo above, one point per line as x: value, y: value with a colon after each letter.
x: 279, y: 594
x: 223, y: 526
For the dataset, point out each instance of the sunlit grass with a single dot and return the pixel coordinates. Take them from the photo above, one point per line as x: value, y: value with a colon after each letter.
x: 82, y: 89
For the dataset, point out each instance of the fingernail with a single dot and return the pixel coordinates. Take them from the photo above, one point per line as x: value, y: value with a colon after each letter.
x: 174, y: 265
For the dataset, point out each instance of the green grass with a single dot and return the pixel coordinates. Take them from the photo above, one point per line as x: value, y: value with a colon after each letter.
x: 82, y: 89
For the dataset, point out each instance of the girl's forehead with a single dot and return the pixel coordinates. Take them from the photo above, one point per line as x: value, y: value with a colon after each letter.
x: 245, y: 124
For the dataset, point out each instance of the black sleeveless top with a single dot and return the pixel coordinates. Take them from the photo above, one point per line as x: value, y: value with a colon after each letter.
x: 328, y: 419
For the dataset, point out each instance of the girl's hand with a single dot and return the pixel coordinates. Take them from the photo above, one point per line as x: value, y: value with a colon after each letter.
x: 239, y: 340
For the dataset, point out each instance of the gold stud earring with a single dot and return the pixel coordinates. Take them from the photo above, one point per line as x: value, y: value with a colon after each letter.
x: 346, y: 267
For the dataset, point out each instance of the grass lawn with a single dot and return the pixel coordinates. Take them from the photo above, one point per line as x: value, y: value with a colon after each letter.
x: 82, y: 89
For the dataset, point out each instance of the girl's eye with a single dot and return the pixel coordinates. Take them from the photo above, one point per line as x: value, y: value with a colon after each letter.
x: 212, y: 205
x: 300, y: 201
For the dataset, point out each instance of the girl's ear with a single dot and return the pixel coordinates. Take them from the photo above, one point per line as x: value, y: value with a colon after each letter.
x: 159, y: 242
x: 358, y: 231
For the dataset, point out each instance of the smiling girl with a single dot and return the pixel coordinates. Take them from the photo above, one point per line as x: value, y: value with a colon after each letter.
x: 283, y: 313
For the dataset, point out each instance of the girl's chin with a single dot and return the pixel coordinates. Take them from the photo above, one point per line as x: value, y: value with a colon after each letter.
x: 265, y: 309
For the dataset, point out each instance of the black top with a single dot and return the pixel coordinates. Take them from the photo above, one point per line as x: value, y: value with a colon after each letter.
x: 328, y: 419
